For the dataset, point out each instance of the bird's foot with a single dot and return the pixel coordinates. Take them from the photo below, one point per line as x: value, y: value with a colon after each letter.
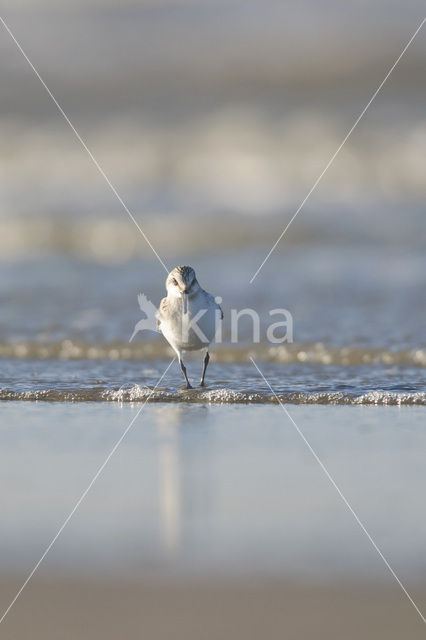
x: 202, y: 383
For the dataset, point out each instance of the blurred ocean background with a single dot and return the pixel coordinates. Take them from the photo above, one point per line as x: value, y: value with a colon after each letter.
x: 213, y: 120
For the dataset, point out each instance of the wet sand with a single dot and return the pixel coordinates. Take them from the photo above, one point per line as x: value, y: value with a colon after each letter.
x: 55, y: 608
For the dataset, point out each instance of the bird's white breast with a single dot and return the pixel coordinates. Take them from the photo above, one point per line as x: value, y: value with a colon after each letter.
x: 173, y: 321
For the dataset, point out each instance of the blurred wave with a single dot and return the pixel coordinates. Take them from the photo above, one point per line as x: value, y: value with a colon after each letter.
x: 309, y: 353
x: 227, y: 182
x: 204, y: 112
x: 232, y: 161
x: 106, y: 240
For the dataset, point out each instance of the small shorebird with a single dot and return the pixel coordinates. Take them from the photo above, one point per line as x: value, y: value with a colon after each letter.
x: 187, y: 316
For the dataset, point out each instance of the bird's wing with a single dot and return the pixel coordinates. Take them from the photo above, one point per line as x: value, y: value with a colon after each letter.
x: 162, y: 308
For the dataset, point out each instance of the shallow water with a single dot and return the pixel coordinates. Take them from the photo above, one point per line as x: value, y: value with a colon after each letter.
x: 228, y: 383
x: 213, y: 490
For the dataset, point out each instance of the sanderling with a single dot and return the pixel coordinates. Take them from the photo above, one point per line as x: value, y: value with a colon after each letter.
x: 187, y: 316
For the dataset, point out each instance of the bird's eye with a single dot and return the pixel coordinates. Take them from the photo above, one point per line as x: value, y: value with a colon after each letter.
x: 174, y: 281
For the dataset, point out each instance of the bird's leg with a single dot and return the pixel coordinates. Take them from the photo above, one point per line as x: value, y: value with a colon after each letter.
x: 205, y: 363
x: 183, y: 369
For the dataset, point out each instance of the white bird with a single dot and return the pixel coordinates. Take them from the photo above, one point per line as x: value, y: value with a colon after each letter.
x: 187, y: 316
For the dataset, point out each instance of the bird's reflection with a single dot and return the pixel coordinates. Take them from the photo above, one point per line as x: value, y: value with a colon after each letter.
x: 171, y: 449
x: 169, y: 483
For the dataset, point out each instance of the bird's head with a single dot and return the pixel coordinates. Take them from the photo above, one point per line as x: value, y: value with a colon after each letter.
x: 182, y: 281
